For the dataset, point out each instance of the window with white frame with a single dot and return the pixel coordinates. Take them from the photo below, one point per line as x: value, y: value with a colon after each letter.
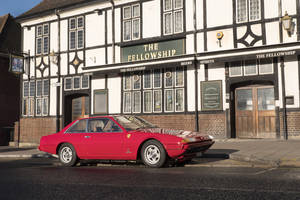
x: 42, y: 94
x: 35, y: 97
x: 76, y: 83
x: 158, y: 86
x: 42, y: 39
x: 251, y: 67
x: 172, y: 16
x: 76, y: 33
x: 248, y: 10
x: 131, y: 22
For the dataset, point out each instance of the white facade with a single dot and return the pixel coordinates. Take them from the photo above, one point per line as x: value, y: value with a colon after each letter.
x: 98, y: 49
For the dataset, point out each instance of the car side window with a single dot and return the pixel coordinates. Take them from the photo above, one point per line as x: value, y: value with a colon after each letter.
x: 111, y: 126
x: 78, y: 127
x: 97, y: 125
x: 103, y: 125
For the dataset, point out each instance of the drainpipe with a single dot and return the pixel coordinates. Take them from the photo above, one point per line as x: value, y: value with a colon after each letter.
x: 113, y: 30
x: 284, y: 116
x: 195, y: 68
x: 58, y: 87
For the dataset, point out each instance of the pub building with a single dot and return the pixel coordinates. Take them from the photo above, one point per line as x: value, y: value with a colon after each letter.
x: 227, y: 68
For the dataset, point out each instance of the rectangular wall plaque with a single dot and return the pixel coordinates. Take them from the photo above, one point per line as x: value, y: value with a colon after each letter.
x: 211, y: 95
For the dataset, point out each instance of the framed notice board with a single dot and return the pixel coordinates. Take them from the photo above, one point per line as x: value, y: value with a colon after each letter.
x: 211, y: 95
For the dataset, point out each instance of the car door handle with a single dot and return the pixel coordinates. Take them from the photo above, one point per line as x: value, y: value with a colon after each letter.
x: 87, y: 136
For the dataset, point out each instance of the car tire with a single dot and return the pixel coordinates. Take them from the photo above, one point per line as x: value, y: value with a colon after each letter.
x: 67, y: 155
x: 153, y: 154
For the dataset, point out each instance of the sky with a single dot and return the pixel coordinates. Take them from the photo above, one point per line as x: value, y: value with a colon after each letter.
x: 16, y: 7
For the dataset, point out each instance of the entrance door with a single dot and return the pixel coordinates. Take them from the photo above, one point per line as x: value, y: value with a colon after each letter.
x: 80, y: 107
x: 255, y: 112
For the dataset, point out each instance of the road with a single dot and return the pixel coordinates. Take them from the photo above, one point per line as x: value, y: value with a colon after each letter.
x: 45, y: 179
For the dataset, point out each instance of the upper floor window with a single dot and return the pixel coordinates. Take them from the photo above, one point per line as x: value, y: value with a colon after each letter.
x: 131, y: 22
x: 248, y: 10
x: 172, y: 16
x: 76, y: 33
x: 42, y: 39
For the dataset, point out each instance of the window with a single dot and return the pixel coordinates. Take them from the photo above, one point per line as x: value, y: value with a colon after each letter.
x: 251, y: 67
x: 42, y: 39
x: 103, y: 125
x: 150, y: 97
x: 79, y: 127
x: 42, y: 92
x: 173, y: 16
x: 248, y: 10
x: 32, y: 89
x: 131, y: 22
x: 77, y: 83
x: 265, y: 66
x: 76, y: 33
x: 100, y: 101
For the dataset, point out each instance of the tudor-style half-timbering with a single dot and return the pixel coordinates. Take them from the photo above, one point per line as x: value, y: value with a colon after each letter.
x: 228, y: 68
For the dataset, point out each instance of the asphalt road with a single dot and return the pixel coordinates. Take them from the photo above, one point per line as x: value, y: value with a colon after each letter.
x: 45, y: 179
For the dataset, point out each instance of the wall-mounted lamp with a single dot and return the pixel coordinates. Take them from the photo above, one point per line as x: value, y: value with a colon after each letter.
x: 53, y: 57
x: 286, y: 21
x: 98, y: 11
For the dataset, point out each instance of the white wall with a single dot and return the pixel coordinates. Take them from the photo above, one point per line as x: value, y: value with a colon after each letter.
x: 151, y: 19
x: 292, y: 81
x: 191, y: 88
x: 219, y: 12
x: 114, y: 94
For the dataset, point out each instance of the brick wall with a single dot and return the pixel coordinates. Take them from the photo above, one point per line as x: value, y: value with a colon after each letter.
x: 32, y: 129
x: 213, y: 124
x: 293, y: 124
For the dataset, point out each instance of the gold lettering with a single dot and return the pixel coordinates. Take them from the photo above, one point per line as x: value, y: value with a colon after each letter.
x: 156, y: 46
x: 133, y: 57
x: 165, y: 54
x: 173, y: 52
x: 159, y: 54
x: 129, y: 58
x: 147, y: 56
x: 153, y: 55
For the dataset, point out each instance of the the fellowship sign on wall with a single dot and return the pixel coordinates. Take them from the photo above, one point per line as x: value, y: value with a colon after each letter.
x: 152, y: 51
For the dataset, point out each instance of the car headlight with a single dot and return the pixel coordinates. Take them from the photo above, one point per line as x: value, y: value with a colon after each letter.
x: 187, y: 140
x: 210, y: 137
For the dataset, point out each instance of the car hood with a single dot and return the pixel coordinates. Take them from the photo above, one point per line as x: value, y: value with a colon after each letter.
x: 179, y: 133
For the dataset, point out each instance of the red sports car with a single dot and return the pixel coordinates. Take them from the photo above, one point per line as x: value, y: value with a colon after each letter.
x: 123, y: 138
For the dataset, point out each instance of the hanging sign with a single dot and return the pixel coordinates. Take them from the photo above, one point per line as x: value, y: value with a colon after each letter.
x: 16, y: 64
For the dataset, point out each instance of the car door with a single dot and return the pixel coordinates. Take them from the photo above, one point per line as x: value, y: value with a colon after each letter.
x: 106, y: 139
x: 77, y: 136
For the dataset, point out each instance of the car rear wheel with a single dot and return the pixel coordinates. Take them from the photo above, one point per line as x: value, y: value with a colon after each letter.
x: 153, y: 154
x: 67, y: 155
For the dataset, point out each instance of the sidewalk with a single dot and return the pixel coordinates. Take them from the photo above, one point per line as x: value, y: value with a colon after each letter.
x: 14, y: 152
x: 275, y: 153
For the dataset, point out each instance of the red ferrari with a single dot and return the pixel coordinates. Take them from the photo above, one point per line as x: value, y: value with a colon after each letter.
x: 123, y: 138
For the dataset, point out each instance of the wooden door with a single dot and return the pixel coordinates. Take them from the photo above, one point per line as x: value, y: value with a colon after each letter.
x: 255, y: 112
x: 80, y: 107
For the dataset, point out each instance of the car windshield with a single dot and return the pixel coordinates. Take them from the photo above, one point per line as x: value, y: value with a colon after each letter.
x: 133, y: 123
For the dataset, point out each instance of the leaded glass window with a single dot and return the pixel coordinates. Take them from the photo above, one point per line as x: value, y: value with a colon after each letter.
x: 172, y: 16
x: 42, y: 39
x: 131, y: 22
x: 248, y: 10
x: 76, y: 33
x: 147, y: 101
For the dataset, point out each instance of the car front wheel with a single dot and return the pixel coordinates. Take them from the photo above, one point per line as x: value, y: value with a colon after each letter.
x: 153, y: 154
x: 67, y: 155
